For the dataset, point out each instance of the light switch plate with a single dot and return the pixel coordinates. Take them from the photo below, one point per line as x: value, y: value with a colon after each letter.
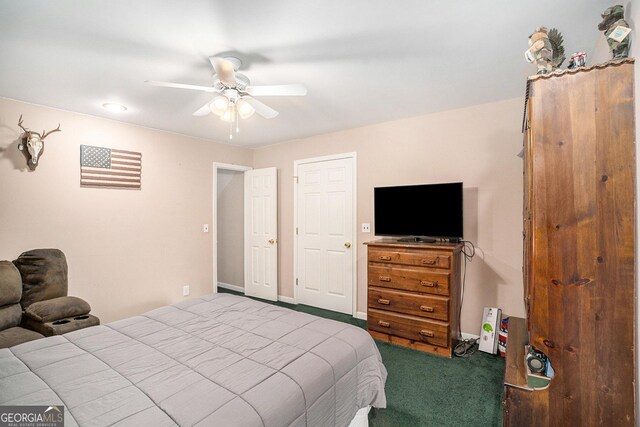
x: 205, y: 228
x: 185, y: 291
x: 366, y: 227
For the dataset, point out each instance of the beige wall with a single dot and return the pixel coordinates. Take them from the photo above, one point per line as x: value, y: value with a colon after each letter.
x: 476, y: 145
x: 230, y: 206
x: 128, y: 251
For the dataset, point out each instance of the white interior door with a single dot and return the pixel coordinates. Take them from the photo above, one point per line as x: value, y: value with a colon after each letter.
x: 261, y: 233
x: 325, y: 234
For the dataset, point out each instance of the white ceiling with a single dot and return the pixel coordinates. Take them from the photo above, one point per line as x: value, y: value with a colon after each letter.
x: 363, y: 61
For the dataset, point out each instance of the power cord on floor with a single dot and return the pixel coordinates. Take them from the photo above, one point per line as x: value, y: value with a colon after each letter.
x: 465, y: 347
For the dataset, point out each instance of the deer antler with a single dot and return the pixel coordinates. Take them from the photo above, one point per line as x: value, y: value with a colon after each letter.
x: 44, y: 135
x: 20, y: 124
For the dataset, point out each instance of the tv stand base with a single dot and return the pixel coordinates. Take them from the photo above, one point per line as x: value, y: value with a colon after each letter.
x: 417, y: 239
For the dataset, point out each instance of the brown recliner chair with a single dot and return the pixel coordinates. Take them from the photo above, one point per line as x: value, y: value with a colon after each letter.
x: 47, y: 308
x: 10, y: 310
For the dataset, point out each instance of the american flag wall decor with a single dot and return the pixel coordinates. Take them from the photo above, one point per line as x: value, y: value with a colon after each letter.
x: 106, y: 167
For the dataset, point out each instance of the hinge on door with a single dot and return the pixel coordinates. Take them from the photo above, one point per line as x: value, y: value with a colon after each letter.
x: 296, y: 231
x: 296, y: 281
x: 295, y: 178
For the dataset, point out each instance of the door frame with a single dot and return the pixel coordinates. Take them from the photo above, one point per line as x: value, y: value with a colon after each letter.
x: 214, y: 224
x: 354, y: 255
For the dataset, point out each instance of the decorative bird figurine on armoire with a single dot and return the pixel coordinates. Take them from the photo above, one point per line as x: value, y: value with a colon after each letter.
x: 545, y: 49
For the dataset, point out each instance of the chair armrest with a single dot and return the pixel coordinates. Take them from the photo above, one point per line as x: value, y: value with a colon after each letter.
x: 57, y: 308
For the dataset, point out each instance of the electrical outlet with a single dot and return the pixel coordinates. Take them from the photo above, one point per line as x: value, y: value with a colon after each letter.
x: 366, y: 227
x: 185, y: 291
x: 205, y: 228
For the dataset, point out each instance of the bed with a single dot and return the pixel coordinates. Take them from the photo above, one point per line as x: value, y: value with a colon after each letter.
x: 220, y: 360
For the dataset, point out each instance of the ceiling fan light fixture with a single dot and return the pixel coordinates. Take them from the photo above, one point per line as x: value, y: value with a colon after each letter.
x: 245, y: 110
x: 229, y: 115
x: 219, y: 105
x: 235, y: 97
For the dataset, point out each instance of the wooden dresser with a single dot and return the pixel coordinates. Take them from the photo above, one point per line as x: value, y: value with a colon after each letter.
x: 414, y: 294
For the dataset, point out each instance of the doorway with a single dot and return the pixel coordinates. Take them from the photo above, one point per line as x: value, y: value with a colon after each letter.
x: 325, y: 248
x: 245, y: 212
x: 228, y: 227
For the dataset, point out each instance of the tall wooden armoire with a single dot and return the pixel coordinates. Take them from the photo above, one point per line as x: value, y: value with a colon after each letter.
x: 579, y: 231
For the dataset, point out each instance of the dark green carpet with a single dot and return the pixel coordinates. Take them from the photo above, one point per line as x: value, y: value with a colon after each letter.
x: 427, y: 390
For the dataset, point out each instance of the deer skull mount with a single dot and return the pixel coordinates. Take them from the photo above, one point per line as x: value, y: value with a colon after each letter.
x: 34, y: 143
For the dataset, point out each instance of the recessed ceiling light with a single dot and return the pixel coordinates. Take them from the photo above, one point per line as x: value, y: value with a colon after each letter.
x: 112, y: 107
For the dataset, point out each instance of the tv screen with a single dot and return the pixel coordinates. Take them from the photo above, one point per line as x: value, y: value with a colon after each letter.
x: 431, y: 210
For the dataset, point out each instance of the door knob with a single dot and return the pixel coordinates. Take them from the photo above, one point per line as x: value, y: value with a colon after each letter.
x: 272, y: 241
x: 347, y: 245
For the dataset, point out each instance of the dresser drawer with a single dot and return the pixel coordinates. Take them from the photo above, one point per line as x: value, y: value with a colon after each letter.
x: 414, y: 304
x: 410, y: 279
x: 409, y: 327
x: 410, y: 258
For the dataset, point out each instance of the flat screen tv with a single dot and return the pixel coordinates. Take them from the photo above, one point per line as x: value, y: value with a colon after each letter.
x: 420, y: 212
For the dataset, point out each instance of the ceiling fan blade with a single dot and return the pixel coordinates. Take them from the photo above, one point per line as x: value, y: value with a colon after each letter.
x: 225, y: 70
x: 262, y: 109
x: 203, y: 111
x: 277, y: 90
x: 182, y: 86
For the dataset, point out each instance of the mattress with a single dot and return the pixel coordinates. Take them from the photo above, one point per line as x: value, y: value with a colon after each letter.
x: 220, y: 360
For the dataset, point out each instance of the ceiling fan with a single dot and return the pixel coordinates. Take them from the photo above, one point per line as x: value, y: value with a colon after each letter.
x: 235, y: 98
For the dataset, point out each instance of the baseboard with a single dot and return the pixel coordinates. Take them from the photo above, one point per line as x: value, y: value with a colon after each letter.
x: 231, y: 287
x: 467, y: 336
x: 240, y: 289
x: 288, y: 300
x: 360, y: 315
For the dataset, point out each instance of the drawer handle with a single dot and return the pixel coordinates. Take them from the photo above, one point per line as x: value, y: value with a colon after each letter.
x: 383, y: 301
x: 383, y: 323
x: 429, y: 261
x: 426, y: 308
x: 429, y: 284
x: 385, y: 278
x: 425, y: 333
x: 385, y: 258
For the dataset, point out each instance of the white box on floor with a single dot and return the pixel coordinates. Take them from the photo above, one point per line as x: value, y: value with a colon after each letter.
x: 489, y: 331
